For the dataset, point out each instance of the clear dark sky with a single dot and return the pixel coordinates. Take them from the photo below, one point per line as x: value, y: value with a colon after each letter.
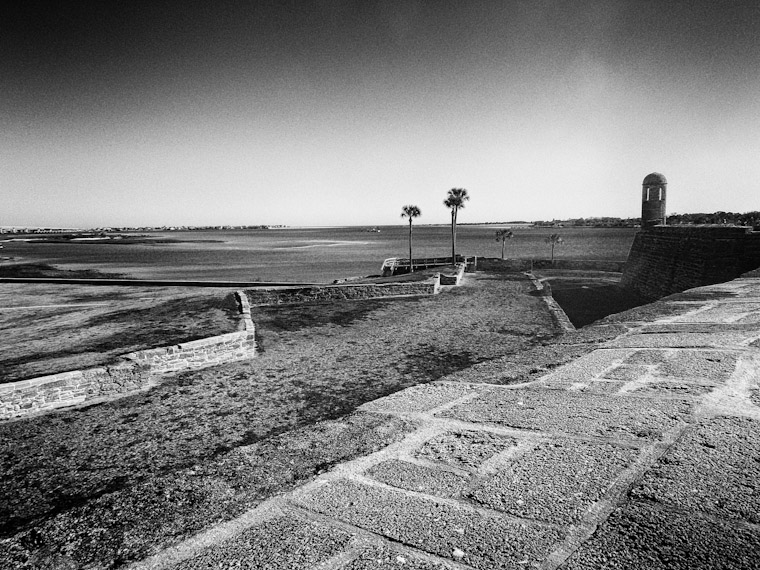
x: 341, y: 112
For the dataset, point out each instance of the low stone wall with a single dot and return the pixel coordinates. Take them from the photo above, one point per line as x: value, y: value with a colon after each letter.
x: 344, y: 292
x: 496, y: 264
x: 131, y: 372
x: 196, y: 353
x: 669, y: 259
x: 558, y: 314
x: 456, y: 277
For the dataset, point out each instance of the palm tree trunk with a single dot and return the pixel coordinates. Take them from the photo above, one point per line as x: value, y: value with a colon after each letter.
x: 411, y: 263
x: 454, y: 236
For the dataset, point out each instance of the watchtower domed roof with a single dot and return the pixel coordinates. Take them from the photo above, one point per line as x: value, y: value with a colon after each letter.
x: 654, y: 179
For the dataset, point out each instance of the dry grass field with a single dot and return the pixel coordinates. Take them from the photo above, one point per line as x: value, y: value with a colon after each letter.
x: 49, y: 328
x: 132, y: 467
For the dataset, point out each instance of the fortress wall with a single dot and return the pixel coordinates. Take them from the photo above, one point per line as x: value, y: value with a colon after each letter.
x: 668, y: 259
x: 295, y: 295
x: 130, y: 373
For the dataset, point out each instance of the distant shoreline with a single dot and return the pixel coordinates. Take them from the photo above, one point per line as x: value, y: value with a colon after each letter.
x: 113, y: 239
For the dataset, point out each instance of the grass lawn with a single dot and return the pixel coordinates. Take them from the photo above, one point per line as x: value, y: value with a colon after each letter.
x: 49, y: 328
x: 152, y: 468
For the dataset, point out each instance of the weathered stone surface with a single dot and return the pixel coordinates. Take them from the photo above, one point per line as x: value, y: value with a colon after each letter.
x: 556, y: 482
x: 747, y: 312
x: 569, y: 412
x: 713, y: 468
x: 282, y: 543
x: 682, y: 340
x: 421, y: 398
x: 676, y: 389
x: 465, y: 449
x: 587, y: 367
x: 447, y: 530
x: 419, y: 478
x: 390, y: 558
x: 686, y: 364
x: 642, y: 536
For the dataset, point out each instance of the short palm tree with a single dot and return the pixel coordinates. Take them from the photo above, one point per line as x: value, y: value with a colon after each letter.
x: 503, y: 236
x: 410, y: 212
x: 554, y: 239
x: 454, y: 201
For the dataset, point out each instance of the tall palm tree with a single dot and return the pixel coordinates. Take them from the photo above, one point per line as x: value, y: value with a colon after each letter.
x: 503, y: 236
x: 410, y: 212
x: 554, y: 239
x: 455, y: 200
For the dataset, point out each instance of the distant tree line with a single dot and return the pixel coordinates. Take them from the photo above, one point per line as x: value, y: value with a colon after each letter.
x: 728, y: 218
x: 603, y: 222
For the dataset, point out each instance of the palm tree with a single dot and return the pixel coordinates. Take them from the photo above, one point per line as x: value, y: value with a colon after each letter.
x: 503, y: 236
x: 410, y: 212
x: 554, y: 239
x: 455, y: 200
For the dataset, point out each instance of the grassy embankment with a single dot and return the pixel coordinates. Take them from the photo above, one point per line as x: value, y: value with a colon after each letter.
x: 151, y: 468
x: 50, y: 328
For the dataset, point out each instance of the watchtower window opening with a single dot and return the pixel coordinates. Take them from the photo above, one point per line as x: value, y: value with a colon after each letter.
x: 660, y: 189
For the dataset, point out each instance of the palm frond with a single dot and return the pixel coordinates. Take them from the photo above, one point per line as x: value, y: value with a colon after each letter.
x: 410, y: 212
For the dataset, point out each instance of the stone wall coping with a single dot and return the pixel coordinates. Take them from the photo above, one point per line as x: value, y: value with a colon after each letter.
x: 39, y: 381
x: 430, y: 280
x: 212, y: 340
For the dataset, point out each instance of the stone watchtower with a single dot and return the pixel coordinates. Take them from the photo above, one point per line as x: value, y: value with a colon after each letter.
x: 653, y: 200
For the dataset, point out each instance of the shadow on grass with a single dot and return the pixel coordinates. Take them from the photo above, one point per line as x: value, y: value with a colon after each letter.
x: 430, y: 362
x: 317, y: 314
x: 171, y: 322
x: 40, y: 270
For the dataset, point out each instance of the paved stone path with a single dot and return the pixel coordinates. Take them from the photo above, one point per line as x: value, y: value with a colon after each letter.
x: 642, y: 454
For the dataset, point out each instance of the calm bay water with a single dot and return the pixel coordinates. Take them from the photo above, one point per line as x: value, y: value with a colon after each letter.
x: 310, y: 254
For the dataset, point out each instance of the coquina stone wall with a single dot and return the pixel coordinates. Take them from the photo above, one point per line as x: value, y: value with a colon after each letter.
x: 668, y: 259
x: 295, y: 295
x: 131, y: 372
x: 454, y: 278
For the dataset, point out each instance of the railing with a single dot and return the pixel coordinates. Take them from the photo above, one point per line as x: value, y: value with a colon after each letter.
x: 394, y: 265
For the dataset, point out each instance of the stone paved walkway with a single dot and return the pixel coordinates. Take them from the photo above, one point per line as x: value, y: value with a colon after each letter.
x: 642, y: 454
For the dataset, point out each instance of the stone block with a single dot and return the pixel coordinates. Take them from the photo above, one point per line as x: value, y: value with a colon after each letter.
x: 713, y: 468
x: 420, y: 478
x: 281, y: 543
x: 388, y: 557
x: 446, y: 529
x: 420, y: 398
x: 640, y: 535
x: 465, y: 449
x: 556, y: 411
x: 588, y: 367
x: 555, y: 482
x: 683, y: 340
